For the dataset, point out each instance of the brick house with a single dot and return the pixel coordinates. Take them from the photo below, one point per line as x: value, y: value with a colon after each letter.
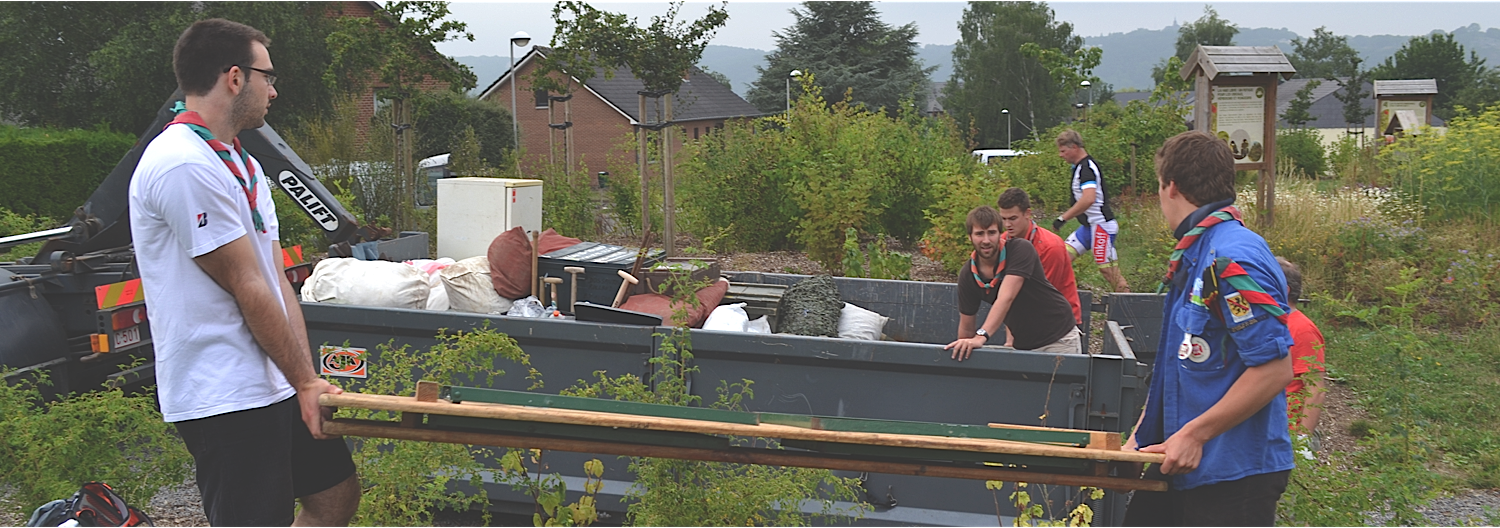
x: 605, y: 112
x: 367, y: 102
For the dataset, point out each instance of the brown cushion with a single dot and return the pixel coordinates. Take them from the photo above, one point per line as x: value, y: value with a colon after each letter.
x: 510, y: 259
x: 658, y: 304
x: 510, y: 264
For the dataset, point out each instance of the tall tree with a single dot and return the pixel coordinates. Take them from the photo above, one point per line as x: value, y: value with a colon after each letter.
x: 1482, y: 94
x: 847, y: 46
x: 1353, y: 94
x: 395, y: 48
x: 1437, y: 56
x: 79, y: 64
x: 1296, y: 113
x: 991, y: 73
x: 1323, y: 55
x: 588, y: 40
x: 1208, y: 30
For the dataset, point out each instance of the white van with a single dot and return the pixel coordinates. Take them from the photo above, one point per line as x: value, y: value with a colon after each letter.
x: 997, y: 156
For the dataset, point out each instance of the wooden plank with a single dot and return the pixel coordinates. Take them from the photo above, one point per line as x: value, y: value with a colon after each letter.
x: 734, y: 455
x: 554, y: 401
x: 579, y: 432
x: 514, y: 412
x: 1097, y: 439
x: 906, y: 453
x: 866, y: 425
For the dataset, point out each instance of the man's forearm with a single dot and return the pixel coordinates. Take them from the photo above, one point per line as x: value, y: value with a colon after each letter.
x: 1251, y: 392
x: 1080, y: 206
x: 294, y: 316
x: 1312, y: 407
x: 271, y: 329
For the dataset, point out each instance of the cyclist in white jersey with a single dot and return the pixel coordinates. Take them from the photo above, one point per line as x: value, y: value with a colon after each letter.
x: 1097, y: 227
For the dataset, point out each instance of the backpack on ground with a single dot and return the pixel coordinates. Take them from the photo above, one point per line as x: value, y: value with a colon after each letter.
x: 95, y: 504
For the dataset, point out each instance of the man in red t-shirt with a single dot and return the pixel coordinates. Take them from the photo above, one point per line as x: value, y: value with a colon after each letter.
x: 1307, y: 356
x: 1015, y: 213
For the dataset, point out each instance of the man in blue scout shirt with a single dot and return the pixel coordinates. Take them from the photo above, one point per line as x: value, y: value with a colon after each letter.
x: 1217, y: 406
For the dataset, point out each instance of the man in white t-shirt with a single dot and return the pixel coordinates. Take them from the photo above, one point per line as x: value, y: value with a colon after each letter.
x: 1097, y: 227
x: 233, y: 366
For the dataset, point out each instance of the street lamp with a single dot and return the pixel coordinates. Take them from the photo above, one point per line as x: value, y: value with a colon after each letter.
x: 1006, y: 113
x: 519, y: 40
x: 1086, y: 85
x: 795, y: 73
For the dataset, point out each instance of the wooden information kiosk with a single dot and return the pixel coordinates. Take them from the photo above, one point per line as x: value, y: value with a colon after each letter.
x: 1396, y: 97
x: 1235, y: 99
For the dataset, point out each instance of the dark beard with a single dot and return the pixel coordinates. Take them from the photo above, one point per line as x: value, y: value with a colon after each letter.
x: 244, y: 114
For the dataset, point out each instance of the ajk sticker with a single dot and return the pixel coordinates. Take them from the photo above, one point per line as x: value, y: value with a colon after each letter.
x: 1239, y: 308
x: 343, y: 362
x: 1199, y: 350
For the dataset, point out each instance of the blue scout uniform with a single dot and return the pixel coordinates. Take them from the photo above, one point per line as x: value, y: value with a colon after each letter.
x: 1210, y: 335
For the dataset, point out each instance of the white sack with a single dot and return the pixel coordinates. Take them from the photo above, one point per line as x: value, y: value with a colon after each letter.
x: 437, y: 294
x: 759, y: 325
x: 374, y: 283
x: 469, y: 288
x: 859, y: 323
x: 727, y: 318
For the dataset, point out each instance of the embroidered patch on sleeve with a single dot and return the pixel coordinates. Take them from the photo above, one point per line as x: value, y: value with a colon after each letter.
x: 1239, y: 307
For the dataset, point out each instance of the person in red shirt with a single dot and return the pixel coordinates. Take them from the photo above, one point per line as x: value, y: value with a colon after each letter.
x: 1307, y: 356
x: 1015, y: 213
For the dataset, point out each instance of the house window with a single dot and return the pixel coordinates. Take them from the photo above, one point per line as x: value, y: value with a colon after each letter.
x: 695, y: 132
x: 541, y: 99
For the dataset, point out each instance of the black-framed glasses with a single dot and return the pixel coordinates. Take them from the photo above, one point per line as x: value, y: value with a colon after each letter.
x: 270, y: 75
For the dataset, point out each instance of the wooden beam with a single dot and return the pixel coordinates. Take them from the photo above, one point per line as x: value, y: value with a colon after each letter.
x: 734, y: 455
x: 514, y: 412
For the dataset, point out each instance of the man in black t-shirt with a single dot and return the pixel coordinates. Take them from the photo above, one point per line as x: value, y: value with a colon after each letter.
x: 1007, y: 277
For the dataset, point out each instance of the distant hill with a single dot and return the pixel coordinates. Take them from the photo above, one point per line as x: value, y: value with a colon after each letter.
x: 1127, y: 62
x: 738, y: 64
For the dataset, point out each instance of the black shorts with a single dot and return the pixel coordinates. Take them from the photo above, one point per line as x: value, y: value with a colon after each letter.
x: 1250, y: 501
x: 253, y: 464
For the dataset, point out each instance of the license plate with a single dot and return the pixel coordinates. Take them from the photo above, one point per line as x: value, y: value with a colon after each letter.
x: 127, y: 337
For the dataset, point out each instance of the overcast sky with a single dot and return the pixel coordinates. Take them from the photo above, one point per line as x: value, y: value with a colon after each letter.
x: 751, y: 23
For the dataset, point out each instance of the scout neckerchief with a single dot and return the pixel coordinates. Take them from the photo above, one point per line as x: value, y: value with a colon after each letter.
x: 1030, y: 235
x: 196, y: 123
x: 1222, y: 215
x: 1236, y: 276
x: 974, y: 270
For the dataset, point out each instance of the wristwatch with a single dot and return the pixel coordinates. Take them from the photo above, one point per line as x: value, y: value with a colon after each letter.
x: 981, y: 333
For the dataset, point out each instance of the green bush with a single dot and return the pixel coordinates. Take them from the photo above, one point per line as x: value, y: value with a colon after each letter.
x: 441, y: 118
x: 736, y: 184
x: 49, y: 449
x: 960, y: 186
x: 51, y: 172
x: 803, y: 178
x: 568, y: 204
x: 1454, y: 174
x: 1303, y: 148
x: 874, y: 261
x: 405, y: 482
x: 17, y: 224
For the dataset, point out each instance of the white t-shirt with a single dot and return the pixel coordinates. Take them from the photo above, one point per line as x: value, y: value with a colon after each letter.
x: 185, y: 203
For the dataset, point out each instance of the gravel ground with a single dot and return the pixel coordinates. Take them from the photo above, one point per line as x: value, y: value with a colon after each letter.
x: 179, y: 505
